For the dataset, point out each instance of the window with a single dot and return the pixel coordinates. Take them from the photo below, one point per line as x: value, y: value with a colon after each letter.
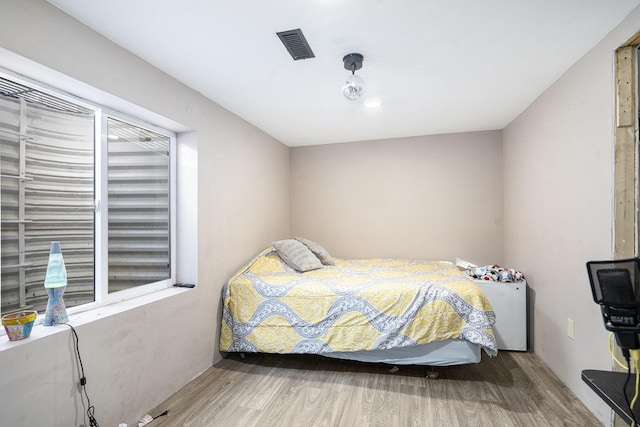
x: 139, y: 205
x: 97, y: 181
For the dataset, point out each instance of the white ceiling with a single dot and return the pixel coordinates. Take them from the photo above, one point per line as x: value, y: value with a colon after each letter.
x: 439, y: 66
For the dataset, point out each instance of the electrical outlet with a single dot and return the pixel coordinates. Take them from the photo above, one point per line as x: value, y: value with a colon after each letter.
x: 571, y: 328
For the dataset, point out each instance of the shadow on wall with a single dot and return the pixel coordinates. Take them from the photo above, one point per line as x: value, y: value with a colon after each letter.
x: 531, y: 301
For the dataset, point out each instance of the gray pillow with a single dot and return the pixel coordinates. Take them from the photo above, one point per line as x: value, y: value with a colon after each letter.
x: 297, y: 255
x: 319, y: 251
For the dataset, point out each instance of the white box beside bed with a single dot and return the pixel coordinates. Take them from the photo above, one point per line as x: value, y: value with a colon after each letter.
x: 509, y: 302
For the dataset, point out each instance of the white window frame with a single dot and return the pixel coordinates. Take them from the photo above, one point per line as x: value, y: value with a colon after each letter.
x: 102, y: 212
x: 101, y: 274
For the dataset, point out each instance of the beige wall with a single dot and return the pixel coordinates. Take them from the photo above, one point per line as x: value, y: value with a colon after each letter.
x: 553, y: 169
x: 137, y: 358
x: 428, y: 197
x: 558, y: 209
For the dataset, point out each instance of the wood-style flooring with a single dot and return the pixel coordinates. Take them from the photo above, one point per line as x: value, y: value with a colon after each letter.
x: 512, y: 389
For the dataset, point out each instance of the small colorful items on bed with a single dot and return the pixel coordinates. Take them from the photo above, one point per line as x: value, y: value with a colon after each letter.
x: 495, y: 273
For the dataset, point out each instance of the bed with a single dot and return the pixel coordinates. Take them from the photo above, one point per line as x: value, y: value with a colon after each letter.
x: 375, y: 310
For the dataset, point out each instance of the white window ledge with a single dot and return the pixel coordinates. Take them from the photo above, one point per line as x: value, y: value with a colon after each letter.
x: 40, y: 331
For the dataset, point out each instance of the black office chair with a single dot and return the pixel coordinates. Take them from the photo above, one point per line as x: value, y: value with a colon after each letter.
x: 616, y: 288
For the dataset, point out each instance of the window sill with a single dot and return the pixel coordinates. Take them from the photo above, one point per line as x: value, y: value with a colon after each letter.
x: 39, y: 331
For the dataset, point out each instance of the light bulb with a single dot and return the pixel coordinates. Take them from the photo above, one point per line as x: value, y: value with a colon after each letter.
x: 372, y: 103
x: 353, y: 87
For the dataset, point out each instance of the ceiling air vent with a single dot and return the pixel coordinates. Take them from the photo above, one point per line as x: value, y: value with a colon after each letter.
x: 296, y: 44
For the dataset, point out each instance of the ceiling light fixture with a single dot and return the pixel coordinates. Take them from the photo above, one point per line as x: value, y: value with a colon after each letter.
x: 372, y: 103
x: 354, y: 85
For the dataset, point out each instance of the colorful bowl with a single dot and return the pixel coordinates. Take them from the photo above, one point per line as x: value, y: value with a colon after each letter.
x: 18, y: 325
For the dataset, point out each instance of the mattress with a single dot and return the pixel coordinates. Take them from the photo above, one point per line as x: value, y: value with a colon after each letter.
x: 354, y: 306
x: 440, y: 353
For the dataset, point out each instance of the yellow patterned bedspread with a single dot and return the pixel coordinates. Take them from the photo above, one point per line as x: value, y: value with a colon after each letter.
x: 355, y: 305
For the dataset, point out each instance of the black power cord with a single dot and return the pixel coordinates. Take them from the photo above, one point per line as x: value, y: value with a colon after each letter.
x: 83, y: 380
x: 627, y: 356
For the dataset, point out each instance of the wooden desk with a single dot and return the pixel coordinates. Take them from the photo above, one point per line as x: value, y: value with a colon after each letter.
x: 608, y: 385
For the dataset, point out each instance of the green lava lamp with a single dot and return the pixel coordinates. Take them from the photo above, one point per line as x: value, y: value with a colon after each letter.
x: 55, y: 282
